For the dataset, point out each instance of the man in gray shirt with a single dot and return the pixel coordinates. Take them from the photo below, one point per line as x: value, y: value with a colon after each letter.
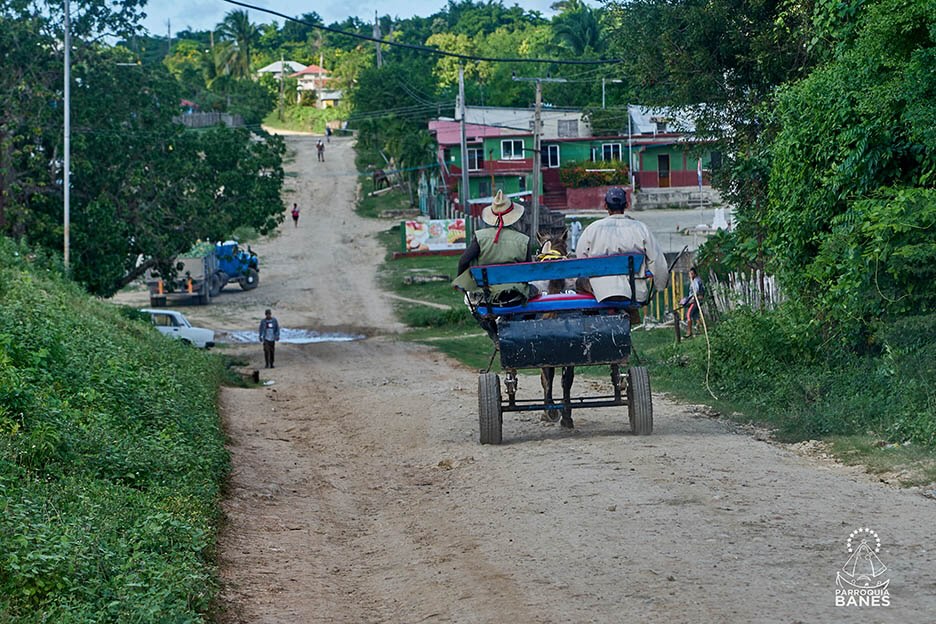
x: 269, y: 334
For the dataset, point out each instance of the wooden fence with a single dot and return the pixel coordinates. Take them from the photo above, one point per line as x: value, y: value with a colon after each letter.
x: 757, y: 291
x: 206, y: 120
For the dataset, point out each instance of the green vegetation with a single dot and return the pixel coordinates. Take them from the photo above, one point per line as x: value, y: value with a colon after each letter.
x: 600, y: 173
x: 111, y: 459
x: 805, y: 391
x: 303, y: 118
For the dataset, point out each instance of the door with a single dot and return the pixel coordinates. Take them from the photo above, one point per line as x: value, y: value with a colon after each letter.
x: 663, y: 170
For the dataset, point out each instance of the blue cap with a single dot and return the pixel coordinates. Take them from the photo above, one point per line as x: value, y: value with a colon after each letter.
x: 616, y: 198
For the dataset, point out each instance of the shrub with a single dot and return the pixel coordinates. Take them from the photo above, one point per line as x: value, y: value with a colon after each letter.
x: 111, y: 459
x: 580, y: 175
x: 783, y: 369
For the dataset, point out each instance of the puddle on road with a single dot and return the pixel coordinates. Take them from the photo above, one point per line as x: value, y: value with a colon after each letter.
x: 293, y: 336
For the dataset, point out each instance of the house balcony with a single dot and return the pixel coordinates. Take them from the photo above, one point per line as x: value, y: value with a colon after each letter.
x: 498, y: 167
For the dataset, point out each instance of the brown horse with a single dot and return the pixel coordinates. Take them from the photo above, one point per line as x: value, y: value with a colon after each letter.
x: 378, y: 177
x: 555, y: 247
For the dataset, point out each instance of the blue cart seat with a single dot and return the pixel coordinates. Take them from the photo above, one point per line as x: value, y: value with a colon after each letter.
x: 556, y: 303
x: 628, y: 264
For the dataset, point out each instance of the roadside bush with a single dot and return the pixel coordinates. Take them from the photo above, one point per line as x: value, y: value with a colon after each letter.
x: 111, y: 459
x: 778, y: 368
x: 579, y: 175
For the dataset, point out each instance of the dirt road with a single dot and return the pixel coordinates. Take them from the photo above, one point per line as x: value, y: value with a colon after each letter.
x: 359, y: 492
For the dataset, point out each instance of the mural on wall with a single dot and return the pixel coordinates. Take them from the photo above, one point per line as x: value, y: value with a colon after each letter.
x: 435, y: 234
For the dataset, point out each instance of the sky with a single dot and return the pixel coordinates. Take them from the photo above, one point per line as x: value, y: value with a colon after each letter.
x: 206, y: 14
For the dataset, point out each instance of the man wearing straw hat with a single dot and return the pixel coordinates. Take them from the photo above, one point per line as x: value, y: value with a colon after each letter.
x: 499, y: 244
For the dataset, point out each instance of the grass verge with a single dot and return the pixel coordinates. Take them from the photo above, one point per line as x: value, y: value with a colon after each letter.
x: 111, y: 459
x: 303, y: 118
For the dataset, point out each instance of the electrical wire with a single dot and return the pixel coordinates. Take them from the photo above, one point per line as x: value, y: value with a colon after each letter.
x: 418, y: 48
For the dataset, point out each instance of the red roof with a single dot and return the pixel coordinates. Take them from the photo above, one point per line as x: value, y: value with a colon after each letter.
x: 187, y: 104
x: 311, y: 69
x: 449, y: 133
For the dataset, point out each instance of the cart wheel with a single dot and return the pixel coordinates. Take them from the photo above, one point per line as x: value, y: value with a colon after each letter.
x: 490, y: 417
x: 639, y: 403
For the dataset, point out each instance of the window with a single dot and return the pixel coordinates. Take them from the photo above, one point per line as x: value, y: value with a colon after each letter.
x: 163, y: 320
x: 521, y: 183
x: 475, y: 158
x: 552, y: 156
x: 610, y: 151
x: 568, y: 128
x: 512, y: 149
x: 484, y: 188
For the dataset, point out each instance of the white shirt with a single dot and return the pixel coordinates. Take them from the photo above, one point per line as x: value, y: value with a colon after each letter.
x: 619, y: 233
x: 575, y: 230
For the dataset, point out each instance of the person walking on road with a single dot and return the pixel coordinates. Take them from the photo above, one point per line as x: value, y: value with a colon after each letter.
x: 269, y: 335
x: 295, y: 215
x: 320, y: 150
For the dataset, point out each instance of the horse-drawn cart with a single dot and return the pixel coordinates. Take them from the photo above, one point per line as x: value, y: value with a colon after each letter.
x: 560, y: 330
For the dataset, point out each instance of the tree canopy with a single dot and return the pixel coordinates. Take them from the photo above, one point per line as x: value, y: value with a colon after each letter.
x: 143, y: 188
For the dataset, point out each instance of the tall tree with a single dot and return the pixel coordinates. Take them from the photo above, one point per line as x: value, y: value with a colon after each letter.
x: 725, y: 58
x: 576, y: 27
x: 242, y: 36
x: 141, y: 185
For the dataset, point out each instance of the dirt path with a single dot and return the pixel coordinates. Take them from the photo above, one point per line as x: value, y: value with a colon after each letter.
x: 359, y: 492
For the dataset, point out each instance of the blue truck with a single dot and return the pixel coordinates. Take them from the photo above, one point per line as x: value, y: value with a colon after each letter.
x: 203, y: 272
x: 237, y: 265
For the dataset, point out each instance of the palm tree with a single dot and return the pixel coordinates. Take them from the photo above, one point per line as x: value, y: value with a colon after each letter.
x: 576, y: 26
x: 242, y: 36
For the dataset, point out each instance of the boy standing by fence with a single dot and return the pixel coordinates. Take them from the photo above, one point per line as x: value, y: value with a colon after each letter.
x: 696, y: 292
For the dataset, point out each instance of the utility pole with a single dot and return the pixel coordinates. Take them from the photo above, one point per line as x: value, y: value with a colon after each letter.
x: 630, y: 152
x: 67, y: 177
x: 537, y: 160
x: 377, y: 43
x: 465, y: 194
x: 537, y: 156
x: 282, y: 85
x: 169, y: 37
x: 320, y: 85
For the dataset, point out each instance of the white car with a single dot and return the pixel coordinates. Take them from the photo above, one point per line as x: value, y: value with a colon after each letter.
x: 175, y: 325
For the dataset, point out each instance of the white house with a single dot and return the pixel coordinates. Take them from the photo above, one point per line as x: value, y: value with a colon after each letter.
x: 316, y: 79
x: 557, y: 123
x: 276, y: 69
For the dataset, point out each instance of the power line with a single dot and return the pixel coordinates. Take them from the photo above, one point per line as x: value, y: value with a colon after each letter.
x: 408, y: 46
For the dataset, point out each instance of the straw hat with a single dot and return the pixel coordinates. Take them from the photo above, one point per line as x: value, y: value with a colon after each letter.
x: 502, y: 212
